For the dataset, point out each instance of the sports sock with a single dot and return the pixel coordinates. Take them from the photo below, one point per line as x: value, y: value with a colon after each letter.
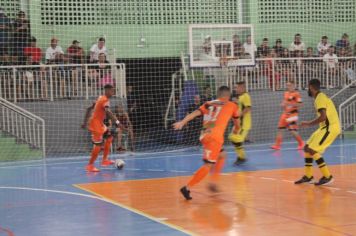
x: 94, y: 154
x: 217, y: 169
x: 299, y: 139
x: 308, y: 164
x: 322, y: 165
x: 279, y: 140
x: 199, y: 175
x: 107, y: 147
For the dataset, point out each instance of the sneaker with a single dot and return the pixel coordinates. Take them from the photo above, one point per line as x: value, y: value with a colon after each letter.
x: 276, y: 147
x: 301, y: 146
x: 106, y: 163
x: 186, y: 193
x: 213, y: 188
x: 91, y: 168
x: 305, y: 179
x: 325, y: 181
x: 239, y: 161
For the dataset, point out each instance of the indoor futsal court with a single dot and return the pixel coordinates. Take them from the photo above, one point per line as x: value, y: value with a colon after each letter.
x: 177, y: 117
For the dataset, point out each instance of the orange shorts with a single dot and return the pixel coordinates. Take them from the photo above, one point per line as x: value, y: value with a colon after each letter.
x: 212, y: 149
x: 288, y: 121
x: 97, y: 135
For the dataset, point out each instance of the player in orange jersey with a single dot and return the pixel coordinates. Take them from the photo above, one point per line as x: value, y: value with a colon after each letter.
x: 217, y: 114
x: 99, y: 131
x: 289, y: 118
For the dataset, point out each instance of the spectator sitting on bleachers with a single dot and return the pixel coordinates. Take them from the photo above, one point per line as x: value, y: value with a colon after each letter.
x: 310, y: 52
x: 237, y: 45
x: 5, y: 26
x: 263, y: 49
x: 21, y: 36
x: 75, y: 53
x: 249, y: 47
x: 323, y: 46
x: 125, y: 126
x: 32, y: 53
x: 354, y: 54
x: 54, y: 54
x: 101, y: 73
x: 344, y: 43
x: 97, y: 49
x: 297, y: 44
x: 331, y: 58
x: 207, y: 95
x: 278, y: 48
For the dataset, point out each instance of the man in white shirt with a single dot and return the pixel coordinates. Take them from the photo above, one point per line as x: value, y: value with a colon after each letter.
x: 54, y: 54
x: 323, y: 46
x: 297, y: 45
x: 97, y: 49
x: 249, y: 47
x: 331, y: 58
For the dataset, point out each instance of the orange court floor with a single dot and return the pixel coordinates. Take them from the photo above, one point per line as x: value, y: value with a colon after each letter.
x: 254, y: 203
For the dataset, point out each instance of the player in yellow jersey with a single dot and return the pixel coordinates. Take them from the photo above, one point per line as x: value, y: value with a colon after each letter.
x: 329, y: 129
x: 244, y: 103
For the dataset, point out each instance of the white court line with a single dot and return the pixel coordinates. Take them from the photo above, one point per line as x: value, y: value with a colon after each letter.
x: 353, y: 192
x: 154, y: 170
x: 158, y: 220
x: 179, y: 171
x: 333, y: 188
x: 288, y: 181
x: 267, y: 178
x: 158, y: 157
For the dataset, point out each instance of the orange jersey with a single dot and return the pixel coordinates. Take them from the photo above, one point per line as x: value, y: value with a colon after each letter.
x: 217, y: 114
x: 291, y: 99
x: 96, y: 122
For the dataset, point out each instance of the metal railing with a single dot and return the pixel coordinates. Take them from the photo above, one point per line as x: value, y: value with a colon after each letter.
x: 273, y: 73
x: 51, y: 82
x: 23, y: 125
x: 347, y: 112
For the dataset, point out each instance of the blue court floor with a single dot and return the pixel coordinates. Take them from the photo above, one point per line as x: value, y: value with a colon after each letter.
x: 39, y: 198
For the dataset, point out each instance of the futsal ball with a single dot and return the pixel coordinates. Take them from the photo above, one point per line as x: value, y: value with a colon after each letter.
x: 119, y: 164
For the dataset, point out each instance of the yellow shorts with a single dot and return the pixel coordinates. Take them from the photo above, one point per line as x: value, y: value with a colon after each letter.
x: 239, y: 137
x: 322, y: 138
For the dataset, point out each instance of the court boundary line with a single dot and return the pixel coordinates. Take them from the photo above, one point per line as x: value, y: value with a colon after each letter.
x: 103, y: 199
x: 134, y: 210
x: 156, y: 157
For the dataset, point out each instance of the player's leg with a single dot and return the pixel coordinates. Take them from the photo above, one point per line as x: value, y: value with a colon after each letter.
x: 211, y: 154
x: 97, y: 139
x: 299, y: 139
x: 216, y: 170
x: 293, y: 127
x: 238, y: 140
x: 282, y: 124
x: 108, y: 136
x: 120, y: 148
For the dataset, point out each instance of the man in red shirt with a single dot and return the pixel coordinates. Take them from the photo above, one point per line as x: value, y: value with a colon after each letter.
x: 33, y: 53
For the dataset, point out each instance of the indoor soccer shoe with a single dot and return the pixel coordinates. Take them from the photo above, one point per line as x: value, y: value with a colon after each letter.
x: 276, y: 147
x: 325, y: 181
x: 239, y: 161
x: 186, y: 193
x: 91, y: 168
x: 304, y: 180
x: 106, y: 163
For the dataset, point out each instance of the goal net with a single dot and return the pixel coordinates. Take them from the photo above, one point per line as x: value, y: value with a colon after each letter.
x: 164, y: 59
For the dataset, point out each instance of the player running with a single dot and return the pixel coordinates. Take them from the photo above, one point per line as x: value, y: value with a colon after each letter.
x: 217, y: 114
x: 98, y: 129
x: 237, y: 139
x: 320, y: 140
x: 291, y: 103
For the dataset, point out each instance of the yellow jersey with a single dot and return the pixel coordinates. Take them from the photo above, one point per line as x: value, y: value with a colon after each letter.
x: 324, y: 102
x: 244, y: 101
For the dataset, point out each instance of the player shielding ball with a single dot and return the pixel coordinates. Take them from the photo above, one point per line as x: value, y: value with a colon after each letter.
x: 329, y: 129
x: 217, y: 114
x: 100, y: 132
x: 238, y: 139
x: 291, y: 103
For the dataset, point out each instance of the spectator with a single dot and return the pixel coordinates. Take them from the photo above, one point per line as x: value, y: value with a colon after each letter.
x: 310, y: 52
x: 97, y: 49
x: 331, y: 61
x: 344, y: 43
x: 125, y: 126
x: 323, y: 46
x: 54, y: 54
x: 249, y: 47
x: 32, y: 53
x: 263, y: 50
x: 273, y: 79
x: 354, y: 49
x: 5, y: 26
x: 21, y: 36
x: 101, y: 73
x: 278, y: 48
x: 237, y: 45
x: 207, y: 45
x: 207, y: 95
x: 297, y: 44
x: 75, y: 53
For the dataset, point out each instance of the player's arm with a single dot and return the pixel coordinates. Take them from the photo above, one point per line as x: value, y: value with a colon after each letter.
x: 112, y: 116
x: 87, y: 115
x: 246, y: 110
x: 321, y: 118
x: 180, y: 124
